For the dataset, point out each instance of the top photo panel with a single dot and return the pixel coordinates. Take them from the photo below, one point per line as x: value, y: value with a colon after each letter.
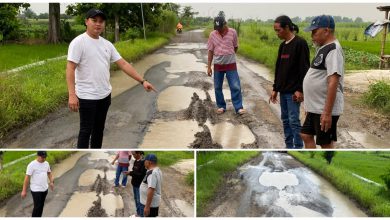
x: 194, y: 75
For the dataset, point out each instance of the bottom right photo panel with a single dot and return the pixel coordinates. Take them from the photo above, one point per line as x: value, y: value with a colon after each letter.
x: 293, y: 183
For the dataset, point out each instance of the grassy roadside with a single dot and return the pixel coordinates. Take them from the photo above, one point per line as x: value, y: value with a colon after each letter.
x: 16, y: 55
x: 211, y: 169
x: 12, y: 177
x: 372, y: 198
x: 32, y: 93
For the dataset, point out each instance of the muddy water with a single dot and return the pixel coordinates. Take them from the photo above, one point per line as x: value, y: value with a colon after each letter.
x: 180, y: 62
x: 176, y: 98
x: 280, y: 186
x: 186, y: 208
x: 89, y: 176
x: 187, y: 46
x: 231, y: 136
x: 67, y: 164
x: 170, y: 134
x: 278, y: 179
x: 97, y: 155
x: 79, y: 204
x: 110, y: 203
x: 259, y: 69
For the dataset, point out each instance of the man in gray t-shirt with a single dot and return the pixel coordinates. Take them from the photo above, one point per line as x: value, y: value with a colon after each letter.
x: 150, y: 189
x: 323, y: 86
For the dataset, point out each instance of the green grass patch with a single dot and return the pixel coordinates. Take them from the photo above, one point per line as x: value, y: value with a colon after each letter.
x: 378, y: 96
x: 10, y: 156
x: 15, y: 55
x: 211, y: 169
x: 32, y: 93
x: 168, y: 158
x: 374, y: 199
x: 12, y: 177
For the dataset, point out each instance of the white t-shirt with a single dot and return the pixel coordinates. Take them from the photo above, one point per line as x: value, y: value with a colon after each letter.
x: 38, y: 175
x: 93, y: 58
x: 151, y: 180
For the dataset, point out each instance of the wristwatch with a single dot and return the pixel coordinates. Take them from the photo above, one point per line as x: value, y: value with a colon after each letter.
x: 142, y: 81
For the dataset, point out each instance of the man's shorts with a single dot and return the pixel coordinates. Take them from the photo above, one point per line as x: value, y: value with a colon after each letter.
x: 312, y: 126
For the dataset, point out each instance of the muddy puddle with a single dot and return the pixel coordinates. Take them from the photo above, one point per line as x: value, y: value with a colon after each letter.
x: 97, y: 155
x: 67, y: 164
x: 278, y: 179
x: 257, y: 68
x: 231, y: 136
x: 76, y: 208
x: 170, y: 134
x: 111, y: 203
x: 187, y: 46
x: 281, y: 186
x: 176, y: 98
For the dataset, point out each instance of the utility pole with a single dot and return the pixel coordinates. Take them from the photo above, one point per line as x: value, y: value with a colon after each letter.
x: 143, y: 21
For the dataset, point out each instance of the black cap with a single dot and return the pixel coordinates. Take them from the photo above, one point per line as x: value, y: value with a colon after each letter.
x: 95, y: 12
x: 219, y: 22
x: 42, y: 153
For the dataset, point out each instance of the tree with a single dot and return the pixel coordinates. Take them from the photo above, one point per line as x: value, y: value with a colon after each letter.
x: 43, y: 16
x: 54, y: 23
x: 221, y: 14
x: 328, y: 155
x: 296, y: 19
x: 28, y: 13
x: 188, y: 15
x: 9, y: 24
x: 358, y: 20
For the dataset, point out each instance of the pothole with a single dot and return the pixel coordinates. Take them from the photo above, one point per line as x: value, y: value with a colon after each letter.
x: 176, y: 98
x: 278, y: 179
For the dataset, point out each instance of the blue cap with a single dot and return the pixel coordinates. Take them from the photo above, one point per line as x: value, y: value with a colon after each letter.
x: 151, y: 157
x: 322, y: 21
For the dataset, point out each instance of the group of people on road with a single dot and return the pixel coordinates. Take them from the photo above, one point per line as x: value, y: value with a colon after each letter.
x: 146, y: 179
x: 319, y: 84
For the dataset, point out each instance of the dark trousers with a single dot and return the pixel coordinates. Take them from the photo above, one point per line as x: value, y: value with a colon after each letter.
x: 93, y: 115
x: 39, y: 202
x: 153, y: 211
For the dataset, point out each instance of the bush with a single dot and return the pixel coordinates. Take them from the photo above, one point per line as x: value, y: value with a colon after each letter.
x: 328, y: 155
x: 378, y: 96
x: 67, y: 33
x: 131, y: 34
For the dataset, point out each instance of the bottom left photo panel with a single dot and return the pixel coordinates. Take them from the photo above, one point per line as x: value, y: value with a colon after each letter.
x: 96, y: 183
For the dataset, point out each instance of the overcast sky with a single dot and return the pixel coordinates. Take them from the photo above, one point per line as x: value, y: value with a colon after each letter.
x: 266, y: 11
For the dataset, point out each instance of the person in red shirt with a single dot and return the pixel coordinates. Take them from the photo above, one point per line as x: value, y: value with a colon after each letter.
x: 222, y: 47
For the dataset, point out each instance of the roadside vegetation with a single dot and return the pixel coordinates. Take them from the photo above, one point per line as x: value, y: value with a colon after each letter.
x: 378, y: 96
x: 12, y: 177
x: 374, y: 199
x: 212, y: 167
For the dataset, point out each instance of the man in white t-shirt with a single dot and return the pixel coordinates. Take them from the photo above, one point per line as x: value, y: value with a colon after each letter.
x: 88, y: 78
x: 37, y: 174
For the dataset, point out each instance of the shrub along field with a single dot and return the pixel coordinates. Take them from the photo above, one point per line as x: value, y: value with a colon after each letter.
x: 371, y: 165
x: 12, y: 177
x: 31, y: 93
x: 215, y: 165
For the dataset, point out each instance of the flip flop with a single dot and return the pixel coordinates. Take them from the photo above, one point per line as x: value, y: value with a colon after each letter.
x: 241, y: 111
x: 220, y: 111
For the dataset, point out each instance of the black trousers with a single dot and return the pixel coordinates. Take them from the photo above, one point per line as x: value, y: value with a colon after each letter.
x: 93, y: 115
x: 39, y: 202
x: 153, y: 212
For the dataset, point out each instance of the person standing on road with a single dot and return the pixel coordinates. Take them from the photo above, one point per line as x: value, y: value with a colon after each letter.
x: 137, y: 175
x: 291, y: 66
x: 123, y: 158
x: 151, y: 187
x: 222, y: 47
x: 37, y: 174
x: 323, y: 86
x: 88, y: 78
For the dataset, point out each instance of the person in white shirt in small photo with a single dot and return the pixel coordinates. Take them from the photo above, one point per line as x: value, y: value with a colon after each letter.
x: 37, y: 175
